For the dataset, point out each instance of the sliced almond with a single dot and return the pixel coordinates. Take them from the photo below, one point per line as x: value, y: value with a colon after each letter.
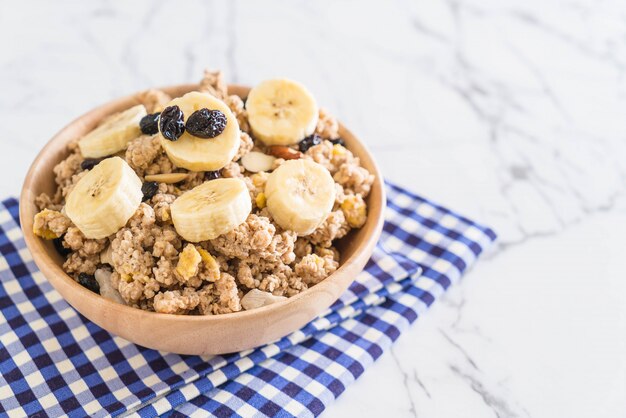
x: 257, y: 298
x: 169, y: 178
x: 255, y: 162
x: 106, y: 256
x: 286, y: 153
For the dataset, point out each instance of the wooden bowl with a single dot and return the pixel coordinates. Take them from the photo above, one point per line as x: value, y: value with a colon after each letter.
x: 185, y: 334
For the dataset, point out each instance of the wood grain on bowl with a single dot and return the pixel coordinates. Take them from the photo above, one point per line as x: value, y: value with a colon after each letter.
x: 190, y: 334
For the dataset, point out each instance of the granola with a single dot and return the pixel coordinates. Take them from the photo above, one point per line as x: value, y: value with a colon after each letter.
x: 149, y: 265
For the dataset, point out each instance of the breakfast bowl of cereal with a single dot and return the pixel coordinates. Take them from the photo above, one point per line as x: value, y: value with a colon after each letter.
x: 203, y: 218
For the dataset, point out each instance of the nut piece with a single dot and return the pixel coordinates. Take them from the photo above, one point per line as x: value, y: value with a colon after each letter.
x: 103, y: 277
x: 256, y: 298
x: 168, y: 178
x: 286, y: 153
x: 255, y: 161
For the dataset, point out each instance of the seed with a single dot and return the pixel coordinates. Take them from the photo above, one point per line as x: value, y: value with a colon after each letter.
x: 168, y: 178
x: 205, y: 123
x: 88, y: 281
x: 149, y: 189
x: 149, y: 124
x: 172, y: 123
x: 255, y: 162
x: 89, y: 163
x: 309, y: 141
x: 256, y: 298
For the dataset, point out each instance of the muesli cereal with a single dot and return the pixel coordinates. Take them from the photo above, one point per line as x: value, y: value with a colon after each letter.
x: 204, y: 205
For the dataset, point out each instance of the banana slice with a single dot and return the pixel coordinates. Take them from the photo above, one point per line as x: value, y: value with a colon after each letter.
x: 202, y: 154
x: 300, y: 194
x: 211, y: 209
x: 114, y: 134
x: 104, y: 199
x: 281, y: 112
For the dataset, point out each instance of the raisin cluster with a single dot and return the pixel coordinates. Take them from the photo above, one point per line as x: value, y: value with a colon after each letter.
x: 203, y: 123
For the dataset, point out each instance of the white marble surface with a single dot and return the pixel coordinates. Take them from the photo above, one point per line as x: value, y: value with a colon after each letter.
x: 511, y: 112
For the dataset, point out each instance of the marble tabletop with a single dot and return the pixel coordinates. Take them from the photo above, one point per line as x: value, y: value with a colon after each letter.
x: 510, y: 112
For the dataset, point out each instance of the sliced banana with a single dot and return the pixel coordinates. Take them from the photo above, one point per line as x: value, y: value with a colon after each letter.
x: 300, y: 194
x: 211, y: 209
x: 114, y: 134
x: 203, y: 154
x: 281, y: 112
x: 104, y: 199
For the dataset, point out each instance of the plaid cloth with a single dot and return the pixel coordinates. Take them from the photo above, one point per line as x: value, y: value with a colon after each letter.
x: 54, y: 362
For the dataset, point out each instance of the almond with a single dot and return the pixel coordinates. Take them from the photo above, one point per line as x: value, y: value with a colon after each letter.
x: 169, y: 178
x: 286, y: 153
x: 255, y: 161
x: 106, y: 256
x: 256, y: 298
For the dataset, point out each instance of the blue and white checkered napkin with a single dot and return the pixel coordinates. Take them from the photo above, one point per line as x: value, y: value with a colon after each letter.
x: 54, y: 362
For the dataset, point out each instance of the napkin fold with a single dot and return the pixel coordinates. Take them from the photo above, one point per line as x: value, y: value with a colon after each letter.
x: 55, y: 362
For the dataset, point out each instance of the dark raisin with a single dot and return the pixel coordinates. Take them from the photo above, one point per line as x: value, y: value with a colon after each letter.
x: 172, y: 123
x: 149, y: 124
x: 308, y: 142
x: 88, y: 281
x: 58, y: 245
x: 205, y: 123
x: 338, y: 141
x: 212, y: 175
x: 90, y: 163
x: 149, y: 189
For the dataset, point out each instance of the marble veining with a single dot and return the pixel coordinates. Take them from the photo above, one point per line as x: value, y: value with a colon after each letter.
x: 508, y: 111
